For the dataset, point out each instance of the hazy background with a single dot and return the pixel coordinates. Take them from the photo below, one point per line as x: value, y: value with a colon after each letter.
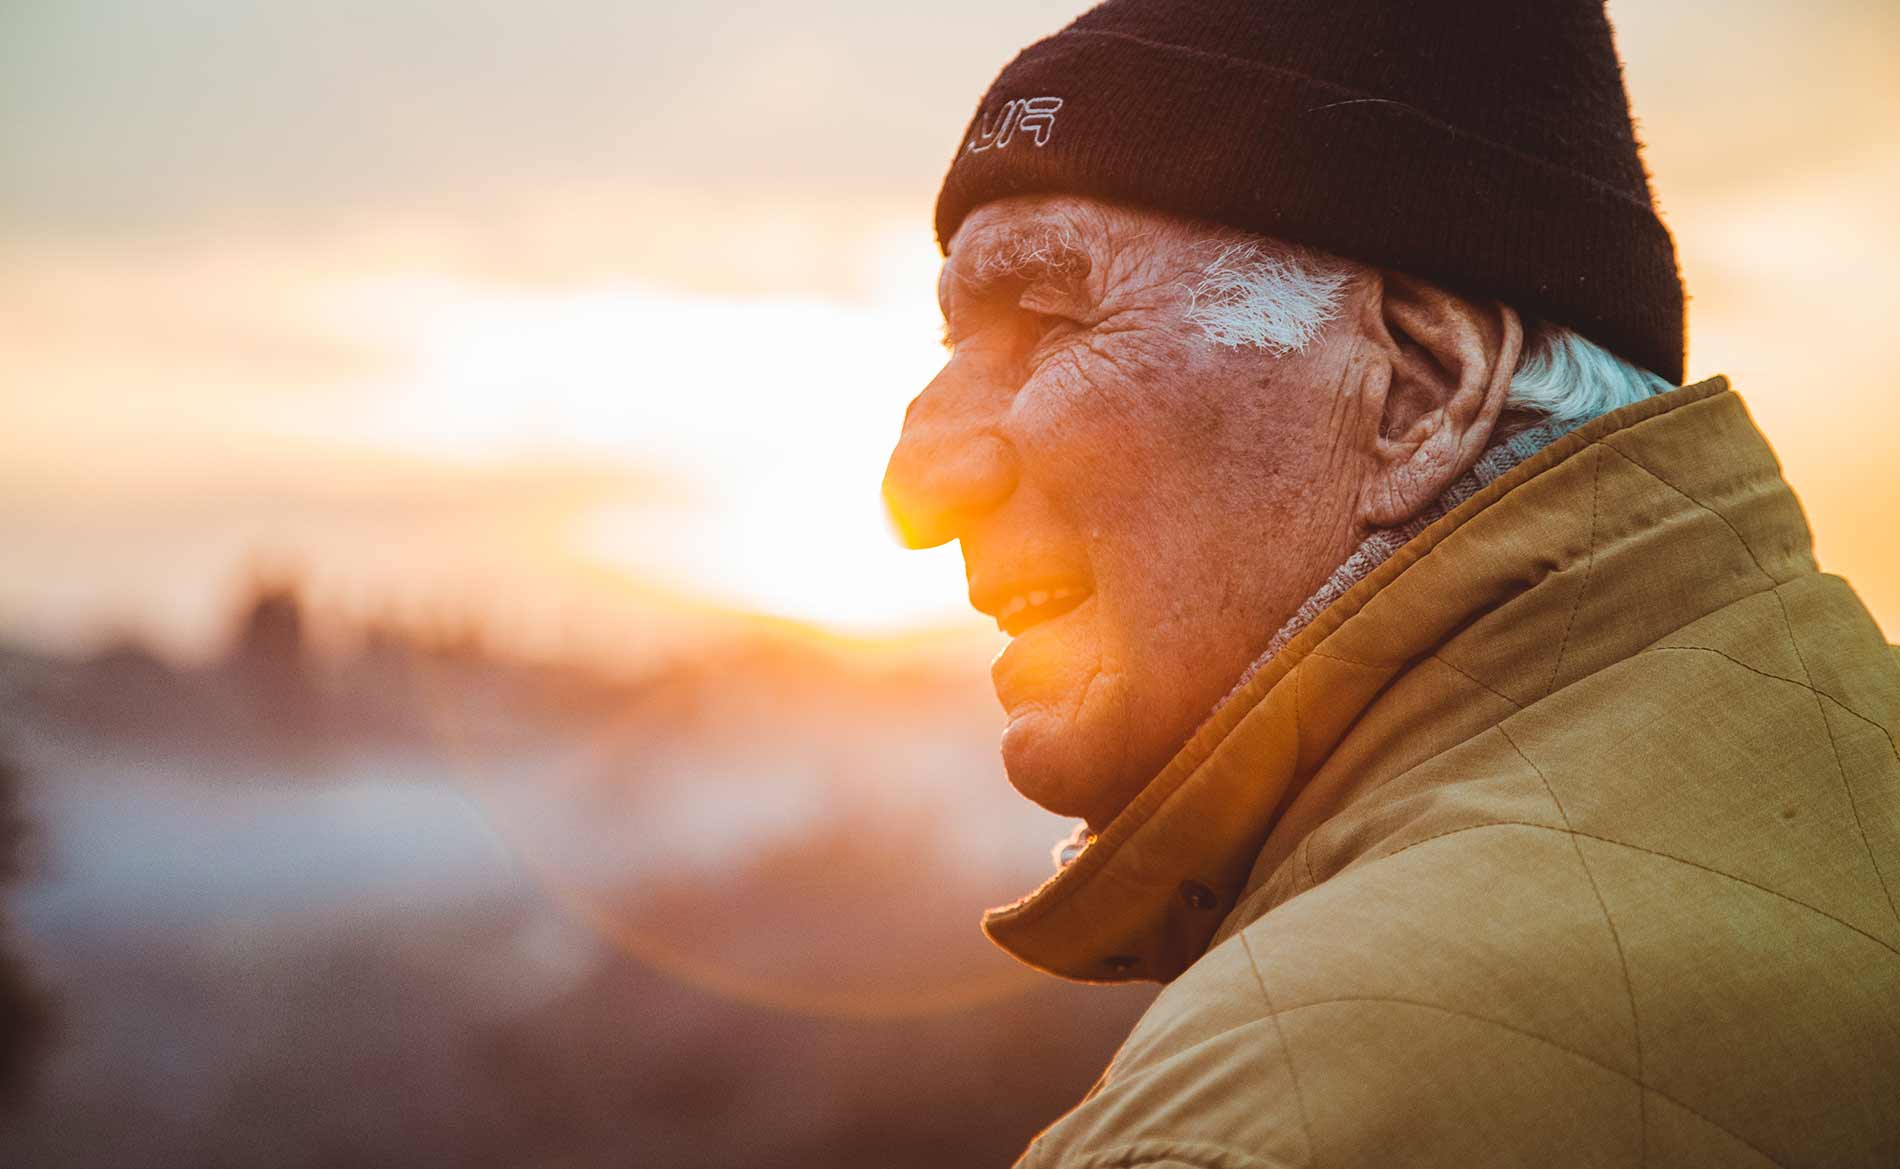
x: 468, y: 706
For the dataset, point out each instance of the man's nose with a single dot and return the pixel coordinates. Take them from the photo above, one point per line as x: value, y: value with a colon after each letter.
x: 948, y: 469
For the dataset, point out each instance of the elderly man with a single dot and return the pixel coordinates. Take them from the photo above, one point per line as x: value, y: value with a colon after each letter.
x: 1463, y: 730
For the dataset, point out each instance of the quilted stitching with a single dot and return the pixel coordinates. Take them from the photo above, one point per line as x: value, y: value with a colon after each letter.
x: 1814, y: 909
x: 1834, y: 745
x: 1545, y: 1040
x: 1446, y: 662
x: 1819, y: 696
x: 1794, y: 640
x: 1622, y: 959
x: 1292, y: 1069
x: 1589, y: 568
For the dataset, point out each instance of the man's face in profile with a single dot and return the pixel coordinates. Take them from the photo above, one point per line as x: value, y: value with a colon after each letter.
x: 1138, y: 507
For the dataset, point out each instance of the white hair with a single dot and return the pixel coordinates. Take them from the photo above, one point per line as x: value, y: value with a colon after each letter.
x: 1279, y: 297
x: 1565, y: 377
x: 1276, y: 298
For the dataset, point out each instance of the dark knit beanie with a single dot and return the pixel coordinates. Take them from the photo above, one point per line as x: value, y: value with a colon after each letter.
x: 1484, y: 145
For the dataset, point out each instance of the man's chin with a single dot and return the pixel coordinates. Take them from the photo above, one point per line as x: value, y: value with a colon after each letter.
x: 1044, y: 756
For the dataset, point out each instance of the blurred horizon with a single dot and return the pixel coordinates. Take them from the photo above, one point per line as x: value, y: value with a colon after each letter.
x: 601, y: 318
x: 705, y: 911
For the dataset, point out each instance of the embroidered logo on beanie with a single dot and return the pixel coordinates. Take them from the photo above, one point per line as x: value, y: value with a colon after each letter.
x: 1483, y: 145
x: 1035, y: 115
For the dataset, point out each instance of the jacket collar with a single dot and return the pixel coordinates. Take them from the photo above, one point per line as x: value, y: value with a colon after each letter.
x: 1145, y: 898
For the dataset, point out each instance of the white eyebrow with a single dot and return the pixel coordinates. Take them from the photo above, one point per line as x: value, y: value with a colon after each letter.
x: 1045, y: 250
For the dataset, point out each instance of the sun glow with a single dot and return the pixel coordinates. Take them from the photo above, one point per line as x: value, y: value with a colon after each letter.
x: 765, y: 421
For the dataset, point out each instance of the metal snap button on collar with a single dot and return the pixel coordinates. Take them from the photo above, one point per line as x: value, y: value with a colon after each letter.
x: 1197, y: 895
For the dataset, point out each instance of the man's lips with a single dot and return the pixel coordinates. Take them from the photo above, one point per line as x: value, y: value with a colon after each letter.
x: 1022, y: 611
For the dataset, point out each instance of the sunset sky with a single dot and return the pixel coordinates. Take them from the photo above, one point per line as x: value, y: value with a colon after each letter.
x: 597, y: 319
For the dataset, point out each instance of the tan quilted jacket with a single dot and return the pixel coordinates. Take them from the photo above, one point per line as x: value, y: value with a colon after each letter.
x: 1570, y: 837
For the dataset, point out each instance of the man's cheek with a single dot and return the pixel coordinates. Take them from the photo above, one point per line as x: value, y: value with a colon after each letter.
x: 1052, y: 410
x: 1075, y: 388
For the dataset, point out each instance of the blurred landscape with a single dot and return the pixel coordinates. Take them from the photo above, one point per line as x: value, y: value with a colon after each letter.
x: 409, y: 902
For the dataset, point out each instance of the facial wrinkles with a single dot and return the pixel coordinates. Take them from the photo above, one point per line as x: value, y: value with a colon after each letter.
x: 1115, y: 418
x: 1343, y: 409
x: 1067, y: 264
x: 1089, y: 369
x: 1102, y: 674
x: 1202, y: 490
x: 1105, y: 367
x: 1103, y: 375
x: 1329, y: 491
x: 1126, y: 371
x: 1130, y: 339
x: 1146, y: 281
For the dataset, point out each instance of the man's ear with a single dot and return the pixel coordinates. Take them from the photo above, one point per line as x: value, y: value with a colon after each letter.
x: 1451, y: 361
